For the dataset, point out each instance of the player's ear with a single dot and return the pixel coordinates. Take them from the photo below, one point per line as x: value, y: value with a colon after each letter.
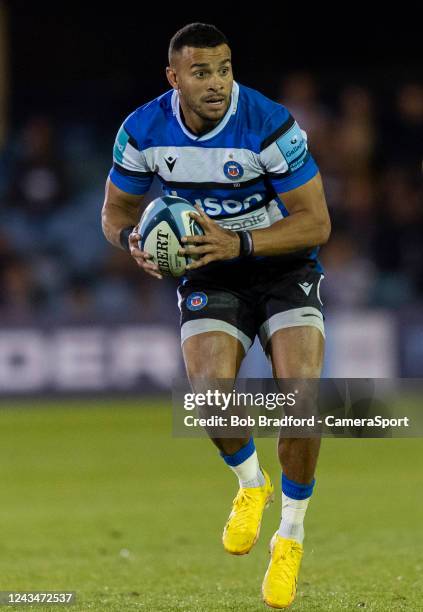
x: 171, y: 77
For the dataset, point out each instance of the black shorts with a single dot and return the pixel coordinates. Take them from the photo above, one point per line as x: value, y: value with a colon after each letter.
x: 257, y: 299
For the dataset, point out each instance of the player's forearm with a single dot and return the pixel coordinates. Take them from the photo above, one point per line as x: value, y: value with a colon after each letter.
x: 120, y: 210
x: 299, y: 231
x: 114, y: 219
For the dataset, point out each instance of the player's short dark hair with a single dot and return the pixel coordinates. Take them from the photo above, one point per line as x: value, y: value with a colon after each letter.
x: 197, y: 35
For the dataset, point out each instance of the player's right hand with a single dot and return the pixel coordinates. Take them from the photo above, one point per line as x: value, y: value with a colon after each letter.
x: 142, y: 257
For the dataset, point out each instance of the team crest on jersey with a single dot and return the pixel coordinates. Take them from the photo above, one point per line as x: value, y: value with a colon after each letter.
x: 233, y: 170
x: 196, y: 301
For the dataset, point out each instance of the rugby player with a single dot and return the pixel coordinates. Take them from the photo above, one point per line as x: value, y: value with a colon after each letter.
x: 243, y: 160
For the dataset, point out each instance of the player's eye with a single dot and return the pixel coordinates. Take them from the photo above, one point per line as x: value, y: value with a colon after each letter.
x: 199, y: 75
x: 224, y: 71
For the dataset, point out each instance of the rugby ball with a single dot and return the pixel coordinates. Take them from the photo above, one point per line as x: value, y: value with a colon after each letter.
x: 162, y: 225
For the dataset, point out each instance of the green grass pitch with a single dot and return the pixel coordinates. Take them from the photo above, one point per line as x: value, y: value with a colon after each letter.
x: 98, y: 498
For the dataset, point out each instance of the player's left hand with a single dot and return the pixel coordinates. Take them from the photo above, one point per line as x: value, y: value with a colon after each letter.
x: 216, y: 244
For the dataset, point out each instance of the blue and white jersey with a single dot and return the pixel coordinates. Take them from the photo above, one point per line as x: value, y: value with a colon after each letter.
x: 234, y: 172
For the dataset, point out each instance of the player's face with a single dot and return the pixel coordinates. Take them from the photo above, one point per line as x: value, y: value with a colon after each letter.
x: 204, y: 80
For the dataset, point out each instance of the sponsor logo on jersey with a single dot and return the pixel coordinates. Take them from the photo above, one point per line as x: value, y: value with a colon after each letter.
x: 293, y: 147
x: 227, y: 209
x: 215, y: 206
x: 196, y: 301
x: 298, y: 162
x: 294, y: 150
x: 253, y: 220
x: 233, y: 170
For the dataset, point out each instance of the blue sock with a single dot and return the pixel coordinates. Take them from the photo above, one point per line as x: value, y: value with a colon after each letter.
x: 295, y: 490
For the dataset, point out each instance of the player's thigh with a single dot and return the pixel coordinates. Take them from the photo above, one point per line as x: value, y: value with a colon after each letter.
x: 212, y: 355
x: 297, y: 352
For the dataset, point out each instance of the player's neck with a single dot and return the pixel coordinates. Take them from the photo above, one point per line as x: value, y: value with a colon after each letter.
x: 196, y: 125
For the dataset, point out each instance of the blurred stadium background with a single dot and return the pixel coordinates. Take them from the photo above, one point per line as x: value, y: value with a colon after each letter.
x: 97, y: 500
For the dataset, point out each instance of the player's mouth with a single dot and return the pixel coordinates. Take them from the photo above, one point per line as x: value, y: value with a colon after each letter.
x: 215, y: 102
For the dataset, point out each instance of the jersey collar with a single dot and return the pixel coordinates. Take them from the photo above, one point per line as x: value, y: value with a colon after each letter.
x: 219, y: 127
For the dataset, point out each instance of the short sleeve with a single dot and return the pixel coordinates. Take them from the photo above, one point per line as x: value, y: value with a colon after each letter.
x: 130, y: 171
x: 284, y: 153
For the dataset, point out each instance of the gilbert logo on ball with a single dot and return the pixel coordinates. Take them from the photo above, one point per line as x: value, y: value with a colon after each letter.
x: 164, y: 222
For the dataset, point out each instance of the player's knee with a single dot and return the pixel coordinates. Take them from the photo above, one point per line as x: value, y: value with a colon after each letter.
x: 204, y: 373
x: 205, y: 367
x: 301, y: 371
x: 211, y: 357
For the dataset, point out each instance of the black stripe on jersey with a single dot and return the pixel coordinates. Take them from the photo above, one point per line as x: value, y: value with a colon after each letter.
x: 276, y: 176
x: 277, y: 133
x: 234, y: 185
x: 127, y: 172
x: 131, y: 140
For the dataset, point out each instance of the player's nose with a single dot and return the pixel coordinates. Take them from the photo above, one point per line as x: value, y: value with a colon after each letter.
x: 215, y: 83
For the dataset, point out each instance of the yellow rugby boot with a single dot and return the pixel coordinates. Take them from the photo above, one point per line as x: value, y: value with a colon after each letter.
x: 242, y: 530
x: 280, y: 582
